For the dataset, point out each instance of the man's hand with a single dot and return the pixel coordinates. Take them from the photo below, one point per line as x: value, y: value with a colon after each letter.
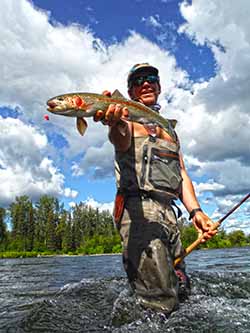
x: 203, y: 225
x: 113, y: 114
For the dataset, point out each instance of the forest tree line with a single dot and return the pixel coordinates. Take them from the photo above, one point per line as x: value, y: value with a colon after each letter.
x: 46, y: 227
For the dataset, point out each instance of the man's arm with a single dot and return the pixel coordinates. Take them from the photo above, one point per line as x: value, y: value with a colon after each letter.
x: 201, y: 221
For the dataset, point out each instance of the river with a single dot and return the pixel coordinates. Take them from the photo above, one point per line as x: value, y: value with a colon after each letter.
x: 91, y: 294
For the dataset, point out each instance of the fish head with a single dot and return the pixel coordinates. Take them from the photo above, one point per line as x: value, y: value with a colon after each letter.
x: 68, y: 105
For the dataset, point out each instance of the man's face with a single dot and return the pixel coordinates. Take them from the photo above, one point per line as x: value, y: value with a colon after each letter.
x: 146, y: 92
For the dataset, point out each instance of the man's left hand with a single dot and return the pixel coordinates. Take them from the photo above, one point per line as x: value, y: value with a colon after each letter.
x: 203, y: 225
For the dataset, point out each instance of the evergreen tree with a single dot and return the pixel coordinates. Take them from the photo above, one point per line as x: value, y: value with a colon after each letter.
x: 46, y: 222
x: 22, y: 220
x: 3, y: 230
x: 61, y: 229
x: 51, y: 236
x: 78, y: 225
x: 84, y: 229
x: 68, y: 243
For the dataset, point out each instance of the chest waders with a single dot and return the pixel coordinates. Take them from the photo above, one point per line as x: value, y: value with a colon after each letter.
x: 148, y: 178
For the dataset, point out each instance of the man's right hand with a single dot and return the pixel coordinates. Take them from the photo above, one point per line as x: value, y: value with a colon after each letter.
x: 113, y: 114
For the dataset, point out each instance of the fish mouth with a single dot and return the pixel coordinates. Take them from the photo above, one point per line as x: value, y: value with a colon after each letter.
x: 51, y: 104
x: 54, y: 107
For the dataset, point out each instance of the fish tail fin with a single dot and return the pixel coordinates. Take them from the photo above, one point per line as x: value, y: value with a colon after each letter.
x: 81, y: 125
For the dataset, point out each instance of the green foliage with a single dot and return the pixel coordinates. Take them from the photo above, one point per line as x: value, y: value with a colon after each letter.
x: 237, y: 238
x: 19, y: 254
x: 46, y: 228
x: 3, y: 231
x: 221, y: 240
x: 188, y: 234
x: 117, y: 248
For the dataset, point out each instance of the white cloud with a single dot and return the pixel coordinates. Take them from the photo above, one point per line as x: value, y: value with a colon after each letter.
x: 101, y: 206
x: 69, y: 193
x: 214, y: 118
x: 210, y: 186
x: 45, y: 60
x: 40, y: 60
x: 165, y: 32
x: 98, y: 161
x: 24, y: 167
x: 153, y: 21
x: 239, y: 219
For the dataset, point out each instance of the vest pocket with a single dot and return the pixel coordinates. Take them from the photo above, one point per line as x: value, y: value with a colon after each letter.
x: 164, y: 170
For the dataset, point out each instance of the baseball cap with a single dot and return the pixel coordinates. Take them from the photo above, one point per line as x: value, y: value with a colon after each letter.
x: 136, y: 69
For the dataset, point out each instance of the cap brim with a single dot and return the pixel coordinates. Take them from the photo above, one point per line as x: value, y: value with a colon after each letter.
x: 148, y: 69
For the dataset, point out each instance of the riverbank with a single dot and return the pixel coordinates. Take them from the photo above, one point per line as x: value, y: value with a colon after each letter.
x: 15, y: 255
x: 34, y: 254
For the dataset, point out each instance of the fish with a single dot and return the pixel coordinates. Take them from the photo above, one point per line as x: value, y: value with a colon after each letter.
x: 84, y: 104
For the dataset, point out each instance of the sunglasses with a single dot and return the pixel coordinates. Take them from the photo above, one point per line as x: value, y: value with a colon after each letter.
x: 138, y: 81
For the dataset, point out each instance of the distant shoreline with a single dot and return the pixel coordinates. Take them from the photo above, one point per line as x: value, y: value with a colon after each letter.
x: 23, y: 255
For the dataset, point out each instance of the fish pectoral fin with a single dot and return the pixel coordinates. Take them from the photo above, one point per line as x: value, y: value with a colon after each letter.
x: 81, y: 125
x: 116, y: 94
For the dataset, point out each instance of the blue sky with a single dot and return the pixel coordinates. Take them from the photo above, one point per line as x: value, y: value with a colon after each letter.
x: 51, y: 47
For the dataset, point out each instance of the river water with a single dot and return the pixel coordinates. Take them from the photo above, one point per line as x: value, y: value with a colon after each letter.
x: 91, y: 294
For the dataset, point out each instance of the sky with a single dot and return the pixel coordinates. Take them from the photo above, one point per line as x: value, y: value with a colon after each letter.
x: 50, y: 47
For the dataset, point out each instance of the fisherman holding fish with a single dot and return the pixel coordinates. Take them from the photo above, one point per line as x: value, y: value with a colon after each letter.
x: 150, y: 175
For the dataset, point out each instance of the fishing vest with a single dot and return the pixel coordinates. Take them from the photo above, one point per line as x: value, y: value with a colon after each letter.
x: 150, y: 164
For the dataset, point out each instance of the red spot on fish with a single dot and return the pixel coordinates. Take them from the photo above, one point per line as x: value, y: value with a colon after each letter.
x: 78, y: 101
x: 46, y: 117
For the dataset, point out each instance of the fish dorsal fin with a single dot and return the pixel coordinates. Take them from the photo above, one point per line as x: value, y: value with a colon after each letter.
x: 117, y: 94
x: 172, y: 122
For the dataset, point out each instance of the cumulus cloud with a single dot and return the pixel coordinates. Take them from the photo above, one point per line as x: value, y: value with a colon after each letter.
x: 98, y: 161
x: 45, y: 60
x: 40, y: 60
x: 214, y: 117
x: 24, y: 167
x: 101, y: 206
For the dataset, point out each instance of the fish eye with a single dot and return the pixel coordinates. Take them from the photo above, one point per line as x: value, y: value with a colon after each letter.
x: 60, y: 98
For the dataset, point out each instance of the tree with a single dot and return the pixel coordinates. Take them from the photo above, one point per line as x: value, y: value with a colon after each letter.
x: 21, y: 212
x: 3, y: 230
x: 237, y: 238
x: 47, y: 216
x: 188, y: 234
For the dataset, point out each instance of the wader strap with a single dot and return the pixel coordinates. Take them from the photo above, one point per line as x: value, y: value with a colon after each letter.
x: 152, y: 195
x: 149, y: 195
x: 179, y: 212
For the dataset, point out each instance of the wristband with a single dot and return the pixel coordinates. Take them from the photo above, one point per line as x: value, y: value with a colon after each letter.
x: 193, y: 212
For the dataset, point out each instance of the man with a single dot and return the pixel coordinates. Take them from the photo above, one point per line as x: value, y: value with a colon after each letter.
x: 150, y: 175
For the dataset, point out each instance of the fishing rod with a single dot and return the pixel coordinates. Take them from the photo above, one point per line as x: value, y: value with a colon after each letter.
x: 192, y: 246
